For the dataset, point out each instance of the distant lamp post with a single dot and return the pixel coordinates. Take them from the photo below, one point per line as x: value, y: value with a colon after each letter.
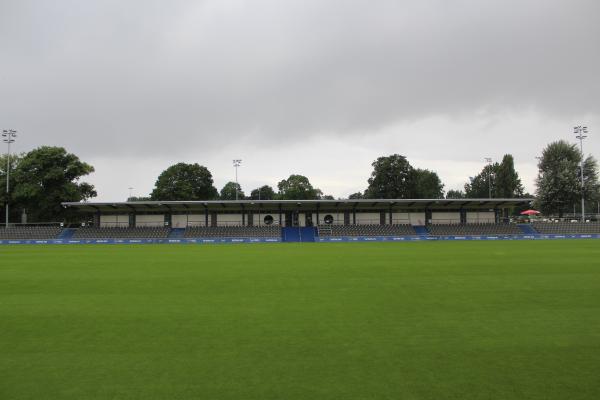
x: 581, y: 133
x: 236, y: 164
x: 489, y: 161
x: 8, y: 137
x: 130, y: 192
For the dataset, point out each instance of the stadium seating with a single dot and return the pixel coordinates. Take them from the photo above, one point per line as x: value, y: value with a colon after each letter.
x: 473, y: 229
x: 232, y: 231
x: 122, y: 233
x: 366, y: 230
x: 30, y: 232
x: 567, y: 227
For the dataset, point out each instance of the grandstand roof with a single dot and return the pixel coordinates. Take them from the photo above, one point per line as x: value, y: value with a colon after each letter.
x: 289, y: 205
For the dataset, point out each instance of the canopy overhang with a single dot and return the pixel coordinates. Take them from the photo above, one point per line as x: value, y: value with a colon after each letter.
x: 294, y: 205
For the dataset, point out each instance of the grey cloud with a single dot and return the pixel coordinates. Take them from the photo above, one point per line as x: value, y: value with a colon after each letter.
x: 124, y: 78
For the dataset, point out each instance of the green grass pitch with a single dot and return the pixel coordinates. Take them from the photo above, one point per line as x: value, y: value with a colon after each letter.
x: 436, y: 320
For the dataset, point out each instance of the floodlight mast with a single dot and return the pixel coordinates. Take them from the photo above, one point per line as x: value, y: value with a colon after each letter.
x: 236, y: 164
x: 489, y: 161
x: 581, y: 132
x: 8, y: 136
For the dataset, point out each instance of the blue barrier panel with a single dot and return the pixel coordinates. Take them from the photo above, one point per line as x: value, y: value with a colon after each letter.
x: 307, y: 234
x: 299, y: 234
x: 143, y: 241
x: 317, y: 239
x: 485, y: 237
x: 291, y: 234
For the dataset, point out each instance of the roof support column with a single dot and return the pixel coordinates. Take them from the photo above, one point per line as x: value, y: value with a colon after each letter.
x: 498, y: 215
x: 428, y: 216
x: 280, y: 219
x: 132, y: 220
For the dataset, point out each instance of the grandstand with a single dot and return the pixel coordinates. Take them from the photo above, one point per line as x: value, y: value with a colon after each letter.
x: 297, y: 220
x: 284, y: 219
x: 274, y: 218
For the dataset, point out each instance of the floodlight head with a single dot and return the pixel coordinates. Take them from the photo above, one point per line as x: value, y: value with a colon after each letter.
x: 585, y: 129
x: 9, y: 133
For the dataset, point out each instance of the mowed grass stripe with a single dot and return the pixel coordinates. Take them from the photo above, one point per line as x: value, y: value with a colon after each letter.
x: 444, y: 320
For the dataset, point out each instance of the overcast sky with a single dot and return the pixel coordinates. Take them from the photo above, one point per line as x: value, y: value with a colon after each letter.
x: 320, y: 88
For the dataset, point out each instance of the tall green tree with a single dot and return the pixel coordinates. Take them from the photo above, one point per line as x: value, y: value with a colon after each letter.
x: 264, y: 192
x: 394, y: 178
x: 228, y: 192
x: 479, y: 185
x: 590, y: 180
x: 357, y: 195
x: 455, y: 194
x: 185, y: 182
x: 47, y: 176
x: 558, y: 182
x: 426, y: 184
x: 391, y: 178
x: 297, y: 187
x: 503, y: 178
x: 507, y: 183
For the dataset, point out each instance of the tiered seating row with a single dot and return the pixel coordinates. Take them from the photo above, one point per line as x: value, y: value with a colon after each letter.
x: 30, y: 232
x: 473, y: 229
x: 232, y: 231
x: 122, y: 233
x: 567, y: 227
x: 52, y: 232
x: 366, y: 230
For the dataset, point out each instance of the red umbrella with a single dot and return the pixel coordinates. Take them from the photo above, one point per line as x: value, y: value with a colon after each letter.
x: 530, y: 212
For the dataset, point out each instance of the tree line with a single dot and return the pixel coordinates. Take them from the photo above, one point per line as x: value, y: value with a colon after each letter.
x: 43, y: 178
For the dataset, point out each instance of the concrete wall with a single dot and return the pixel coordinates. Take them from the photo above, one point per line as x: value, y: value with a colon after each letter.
x: 417, y: 218
x: 185, y: 220
x: 301, y: 219
x: 179, y: 221
x: 110, y: 221
x: 150, y: 220
x: 445, y: 217
x: 412, y: 218
x: 481, y: 217
x: 197, y: 220
x: 229, y: 219
x: 366, y: 218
